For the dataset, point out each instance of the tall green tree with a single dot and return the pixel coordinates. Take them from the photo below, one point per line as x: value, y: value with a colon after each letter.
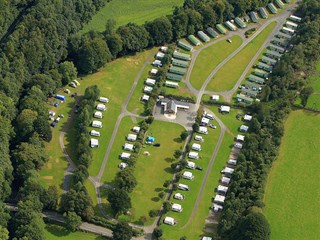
x: 68, y: 72
x: 122, y: 231
x: 72, y: 221
x: 119, y: 200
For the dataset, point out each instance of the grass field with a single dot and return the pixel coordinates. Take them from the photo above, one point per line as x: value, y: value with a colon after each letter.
x: 136, y: 11
x: 229, y: 74
x: 52, y: 232
x: 181, y: 91
x: 209, y: 58
x: 314, y: 82
x: 293, y: 188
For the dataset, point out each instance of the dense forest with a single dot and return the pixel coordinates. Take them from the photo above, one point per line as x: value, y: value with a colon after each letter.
x: 41, y: 51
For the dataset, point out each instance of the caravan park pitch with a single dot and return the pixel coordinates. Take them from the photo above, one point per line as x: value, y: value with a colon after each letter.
x: 293, y: 187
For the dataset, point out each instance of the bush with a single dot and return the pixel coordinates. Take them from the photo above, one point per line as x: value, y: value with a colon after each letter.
x: 167, y: 183
x: 161, y: 195
x: 153, y: 213
x: 184, y: 135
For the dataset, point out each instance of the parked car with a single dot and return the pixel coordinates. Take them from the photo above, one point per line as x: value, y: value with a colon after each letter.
x: 156, y: 144
x: 229, y: 40
x: 199, y: 168
x: 212, y: 126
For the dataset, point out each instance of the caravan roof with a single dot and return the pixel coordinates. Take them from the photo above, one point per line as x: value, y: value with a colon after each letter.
x: 178, y: 196
x: 94, y: 142
x: 203, y: 130
x: 97, y: 124
x: 247, y: 117
x: 225, y: 180
x: 219, y: 198
x: 95, y: 133
x: 243, y: 128
x: 125, y: 155
x: 232, y: 162
x: 225, y: 109
x: 198, y: 138
x: 222, y: 189
x: 103, y: 99
x: 193, y: 155
x: 188, y: 175
x: 101, y: 107
x: 132, y: 137
x: 128, y: 146
x: 183, y: 187
x: 136, y: 129
x: 98, y: 114
x: 205, y: 121
x: 196, y: 146
x: 191, y: 165
x: 147, y: 89
x: 176, y: 207
x: 169, y: 220
x: 228, y: 170
x: 240, y: 138
x: 150, y: 81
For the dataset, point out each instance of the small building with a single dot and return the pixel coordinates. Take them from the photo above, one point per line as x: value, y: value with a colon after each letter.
x: 185, y: 46
x: 216, y: 208
x: 145, y: 98
x: 198, y: 138
x: 154, y: 71
x: 128, y: 147
x: 227, y: 171
x: 172, y: 106
x: 268, y: 60
x: 204, y: 121
x: 249, y: 92
x: 177, y: 70
x: 193, y: 155
x: 101, y: 107
x: 240, y: 138
x: 60, y: 97
x: 196, y: 147
x: 174, y: 77
x: 122, y: 165
x: 291, y: 25
x: 263, y: 12
x: 103, y: 99
x: 204, y: 37
x: 94, y: 142
x: 253, y: 86
x: 183, y: 187
x: 95, y: 133
x: 273, y: 54
x: 150, y: 82
x: 160, y: 55
x: 214, y: 97
x: 212, y: 32
x: 259, y: 76
x: 206, y: 238
x: 232, y: 162
x: 225, y: 109
x: 219, y: 199
x: 238, y: 145
x: 240, y: 23
x: 147, y: 89
x: 247, y: 118
x: 295, y: 18
x: 277, y: 48
x: 225, y: 180
x: 230, y: 26
x: 178, y: 196
x: 188, y: 175
x: 96, y: 124
x: 203, y: 130
x: 180, y: 63
x: 243, y: 128
x: 244, y: 99
x: 182, y: 56
x: 171, y: 84
x: 169, y: 221
x: 191, y: 165
x: 272, y: 8
x: 264, y: 66
x: 283, y: 35
x: 288, y: 30
x: 195, y: 41
x: 157, y: 63
x: 254, y: 16
x: 279, y: 3
x: 132, y: 137
x: 164, y: 49
x: 280, y: 42
x: 98, y: 114
x: 221, y: 29
x: 136, y: 129
x: 222, y: 189
x: 125, y: 156
x: 176, y: 207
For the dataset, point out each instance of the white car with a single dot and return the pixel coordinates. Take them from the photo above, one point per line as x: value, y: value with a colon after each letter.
x: 210, y: 116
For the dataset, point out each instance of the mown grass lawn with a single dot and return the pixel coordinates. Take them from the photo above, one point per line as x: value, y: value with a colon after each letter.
x: 293, y: 188
x: 136, y: 11
x: 53, y: 232
x: 181, y: 91
x: 229, y: 74
x: 209, y: 58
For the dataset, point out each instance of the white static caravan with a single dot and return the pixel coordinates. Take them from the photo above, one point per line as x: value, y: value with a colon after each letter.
x: 247, y: 118
x: 219, y: 199
x: 217, y: 208
x: 188, y: 175
x: 204, y: 121
x: 122, y: 165
x: 98, y: 114
x: 225, y: 180
x: 288, y: 30
x: 183, y: 187
x: 295, y: 18
x: 154, y: 71
x: 164, y: 49
x: 178, y: 196
x: 243, y: 128
x: 191, y: 165
x: 160, y: 55
x: 196, y: 147
x: 101, y: 107
x: 193, y: 155
x: 128, y: 147
x: 169, y: 221
x: 206, y: 238
x: 176, y: 207
x: 94, y: 142
x: 238, y: 145
x: 232, y: 162
x: 147, y: 89
x: 225, y: 109
x: 214, y: 97
x: 103, y: 99
x: 132, y: 137
x: 96, y: 124
x: 222, y: 189
x: 157, y: 63
x: 95, y: 133
x: 125, y: 156
x: 172, y: 84
x: 203, y: 130
x: 136, y: 129
x: 198, y: 138
x: 291, y: 25
x: 145, y: 98
x: 240, y: 138
x: 150, y: 82
x: 227, y: 171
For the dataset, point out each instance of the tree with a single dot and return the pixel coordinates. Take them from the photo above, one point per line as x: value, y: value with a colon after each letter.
x: 177, y: 153
x: 157, y: 233
x: 160, y: 31
x: 305, y: 94
x: 72, y: 221
x: 68, y: 72
x: 4, y: 233
x: 195, y: 127
x: 42, y: 127
x: 114, y: 43
x: 166, y: 207
x: 184, y: 135
x: 119, y: 200
x: 25, y: 122
x: 51, y: 198
x: 122, y: 231
x: 125, y: 180
x: 110, y: 26
x: 254, y: 226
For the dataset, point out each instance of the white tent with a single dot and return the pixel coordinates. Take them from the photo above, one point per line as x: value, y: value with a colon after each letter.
x: 97, y: 124
x: 243, y: 128
x: 169, y: 221
x: 101, y: 107
x: 136, y: 129
x: 204, y: 121
x: 104, y: 99
x: 154, y: 71
x: 238, y: 145
x: 222, y: 189
x: 247, y: 118
x: 132, y: 137
x: 98, y: 114
x: 150, y: 82
x: 225, y: 109
x: 147, y: 89
x: 188, y: 175
x: 178, y: 196
x: 215, y: 97
x: 95, y: 133
x: 196, y: 146
x: 145, y: 98
x: 191, y: 165
x: 203, y: 130
x: 219, y: 198
x: 122, y: 165
x: 176, y: 207
x: 232, y: 162
x: 125, y: 155
x: 198, y: 138
x: 240, y: 138
x: 128, y: 146
x: 94, y: 142
x: 225, y: 180
x: 193, y: 155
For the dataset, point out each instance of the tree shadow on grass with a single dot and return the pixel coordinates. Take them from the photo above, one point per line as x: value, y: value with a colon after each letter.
x: 169, y: 170
x: 169, y: 160
x: 177, y: 140
x: 155, y: 199
x: 158, y: 189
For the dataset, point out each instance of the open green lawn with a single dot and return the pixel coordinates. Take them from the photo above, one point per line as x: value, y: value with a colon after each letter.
x: 53, y: 232
x: 181, y: 91
x: 314, y: 101
x: 314, y: 82
x: 293, y: 187
x: 209, y: 58
x: 136, y: 11
x: 229, y: 74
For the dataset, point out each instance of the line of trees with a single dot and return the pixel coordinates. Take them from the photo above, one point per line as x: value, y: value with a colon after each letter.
x: 242, y: 216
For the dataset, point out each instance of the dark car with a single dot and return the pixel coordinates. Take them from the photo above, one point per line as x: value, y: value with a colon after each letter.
x: 156, y: 144
x: 199, y: 168
x: 53, y: 124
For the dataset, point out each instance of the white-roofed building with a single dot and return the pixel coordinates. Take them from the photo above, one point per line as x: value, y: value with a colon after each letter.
x: 101, y: 107
x: 163, y: 49
x: 216, y: 208
x: 145, y: 98
x: 104, y: 99
x: 176, y: 207
x: 132, y: 137
x: 225, y: 109
x: 95, y: 133
x: 96, y: 124
x: 232, y: 162
x: 191, y: 165
x: 160, y: 55
x: 154, y: 71
x: 240, y: 138
x: 247, y: 118
x: 125, y: 156
x: 169, y: 221
x: 196, y: 146
x: 150, y: 82
x: 157, y: 63
x: 222, y: 189
x: 227, y: 171
x: 188, y: 175
x: 214, y: 97
x: 94, y: 142
x: 203, y: 130
x: 178, y: 196
x: 128, y: 147
x: 219, y: 199
x: 98, y: 114
x: 225, y: 180
x: 193, y: 155
x: 198, y: 138
x: 204, y: 121
x: 243, y: 128
x: 147, y: 89
x: 136, y: 129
